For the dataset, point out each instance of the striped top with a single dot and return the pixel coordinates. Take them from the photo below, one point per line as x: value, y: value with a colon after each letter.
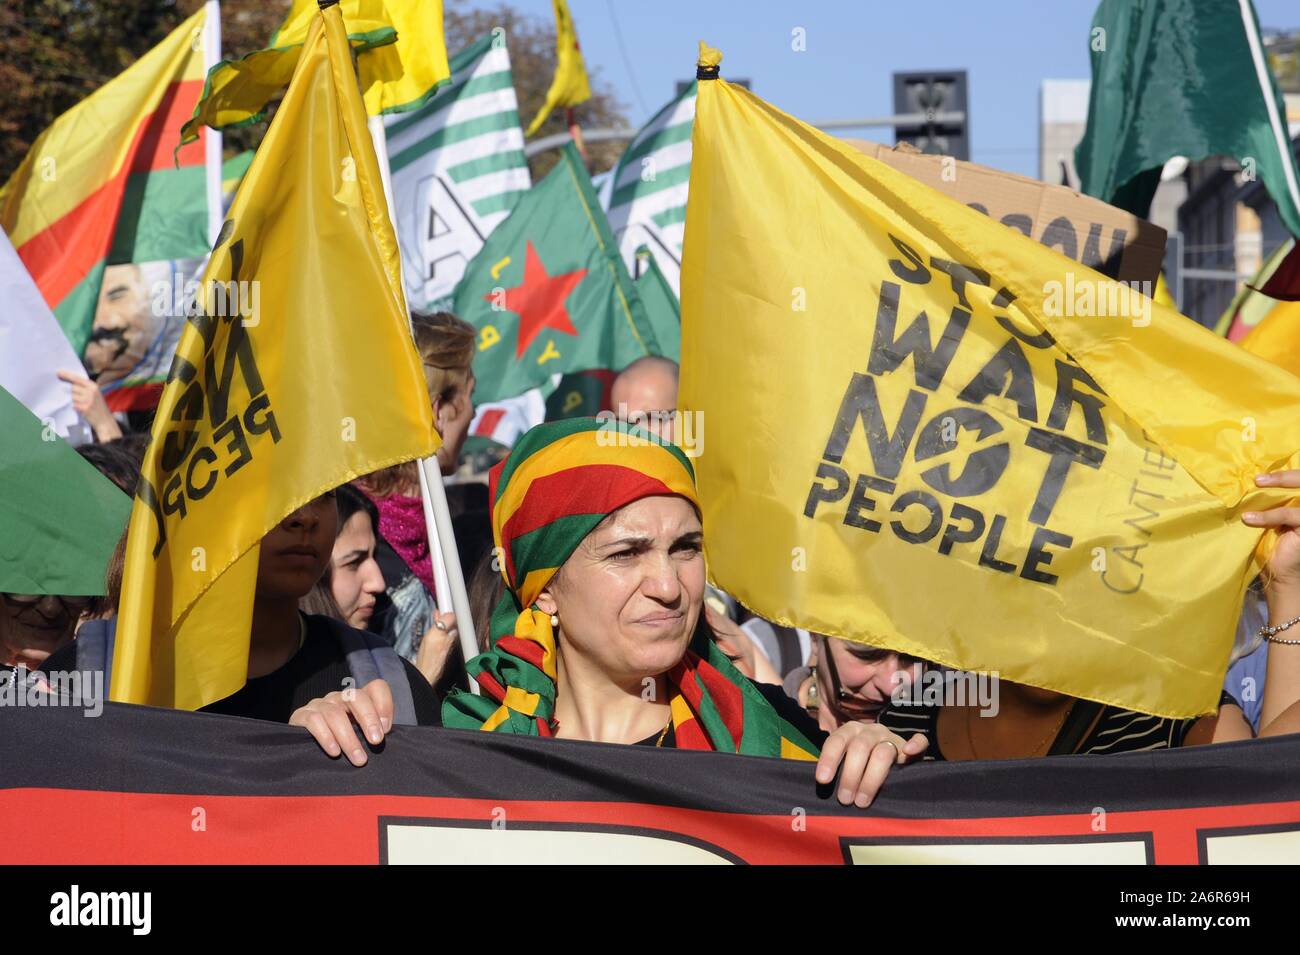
x: 1115, y: 731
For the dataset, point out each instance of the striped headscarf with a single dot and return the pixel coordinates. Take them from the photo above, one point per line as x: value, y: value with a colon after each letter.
x: 560, y: 481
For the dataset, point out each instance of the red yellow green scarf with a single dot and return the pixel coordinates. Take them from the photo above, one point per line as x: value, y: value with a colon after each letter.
x: 560, y: 481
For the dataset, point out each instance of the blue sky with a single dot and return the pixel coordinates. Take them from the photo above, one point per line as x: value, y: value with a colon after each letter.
x: 1008, y: 47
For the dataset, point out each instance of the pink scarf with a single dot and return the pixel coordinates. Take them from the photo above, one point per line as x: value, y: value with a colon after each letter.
x: 401, y: 523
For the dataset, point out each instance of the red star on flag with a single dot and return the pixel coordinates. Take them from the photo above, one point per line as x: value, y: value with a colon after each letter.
x: 539, y: 300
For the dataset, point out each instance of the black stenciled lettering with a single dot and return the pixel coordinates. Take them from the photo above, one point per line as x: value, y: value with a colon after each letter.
x: 859, y: 502
x: 1041, y: 339
x: 960, y: 276
x: 178, y: 442
x: 1064, y: 452
x: 930, y: 361
x: 952, y: 534
x: 144, y: 490
x: 918, y: 274
x: 924, y: 499
x: 1039, y: 557
x: 860, y: 403
x: 204, y: 454
x: 988, y: 556
x: 175, y: 448
x: 238, y: 445
x: 983, y: 467
x: 826, y: 492
x: 239, y: 351
x: 173, y: 497
x: 261, y: 403
x: 1067, y: 377
x: 1007, y: 374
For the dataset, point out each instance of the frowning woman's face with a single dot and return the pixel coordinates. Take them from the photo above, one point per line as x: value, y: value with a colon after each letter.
x: 629, y: 597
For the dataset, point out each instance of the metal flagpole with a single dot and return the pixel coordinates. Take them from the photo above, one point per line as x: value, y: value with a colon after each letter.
x: 449, y: 579
x: 212, y: 137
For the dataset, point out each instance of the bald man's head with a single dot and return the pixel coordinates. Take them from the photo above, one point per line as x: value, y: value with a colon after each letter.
x: 645, y: 392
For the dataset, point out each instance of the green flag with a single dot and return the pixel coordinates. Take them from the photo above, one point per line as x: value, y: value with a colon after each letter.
x: 548, y: 291
x: 661, y: 304
x: 580, y: 394
x: 59, y: 518
x: 1182, y: 78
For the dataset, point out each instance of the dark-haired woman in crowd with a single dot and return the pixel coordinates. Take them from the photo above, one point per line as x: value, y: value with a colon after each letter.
x: 353, y: 585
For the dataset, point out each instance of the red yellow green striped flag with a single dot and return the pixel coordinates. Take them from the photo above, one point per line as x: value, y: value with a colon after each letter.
x: 100, y: 185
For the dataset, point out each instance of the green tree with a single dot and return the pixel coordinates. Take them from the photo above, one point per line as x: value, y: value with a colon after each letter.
x: 54, y: 53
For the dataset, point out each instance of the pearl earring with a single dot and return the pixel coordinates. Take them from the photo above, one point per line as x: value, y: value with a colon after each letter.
x: 555, y: 620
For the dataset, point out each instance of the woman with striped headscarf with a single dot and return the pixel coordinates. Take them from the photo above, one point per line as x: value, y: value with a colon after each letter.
x: 599, y: 636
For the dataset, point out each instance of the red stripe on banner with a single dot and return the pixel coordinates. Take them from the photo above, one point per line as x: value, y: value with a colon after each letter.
x: 62, y: 254
x: 113, y: 828
x: 487, y: 424
x: 585, y: 489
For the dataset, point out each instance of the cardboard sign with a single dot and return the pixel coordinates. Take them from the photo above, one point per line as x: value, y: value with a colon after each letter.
x: 1110, y: 240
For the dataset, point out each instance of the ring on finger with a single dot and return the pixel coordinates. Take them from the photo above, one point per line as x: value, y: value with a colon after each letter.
x: 890, y: 742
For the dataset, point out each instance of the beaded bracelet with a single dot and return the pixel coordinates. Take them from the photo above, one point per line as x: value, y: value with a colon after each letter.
x: 1268, y: 632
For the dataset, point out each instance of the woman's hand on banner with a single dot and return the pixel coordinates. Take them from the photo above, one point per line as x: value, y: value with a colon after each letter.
x: 864, y: 753
x: 330, y: 718
x: 1284, y: 564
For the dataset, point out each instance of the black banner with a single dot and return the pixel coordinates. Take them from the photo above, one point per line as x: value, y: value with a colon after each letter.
x: 143, y: 785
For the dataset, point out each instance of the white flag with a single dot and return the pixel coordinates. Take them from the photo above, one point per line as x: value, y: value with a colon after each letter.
x: 33, y: 350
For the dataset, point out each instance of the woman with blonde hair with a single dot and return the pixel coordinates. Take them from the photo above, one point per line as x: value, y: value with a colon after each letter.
x: 445, y: 344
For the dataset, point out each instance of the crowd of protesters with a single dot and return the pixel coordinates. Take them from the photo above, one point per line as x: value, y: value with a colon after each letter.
x: 625, y: 642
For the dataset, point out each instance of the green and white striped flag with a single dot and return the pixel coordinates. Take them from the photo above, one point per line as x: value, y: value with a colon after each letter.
x: 648, y: 186
x: 458, y: 167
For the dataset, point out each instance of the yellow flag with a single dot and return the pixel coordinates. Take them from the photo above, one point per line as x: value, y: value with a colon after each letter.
x: 1276, y: 337
x: 570, y: 86
x: 300, y: 375
x: 928, y: 432
x: 402, y: 61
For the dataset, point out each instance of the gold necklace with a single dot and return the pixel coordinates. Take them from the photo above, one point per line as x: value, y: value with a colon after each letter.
x: 664, y: 734
x: 970, y: 739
